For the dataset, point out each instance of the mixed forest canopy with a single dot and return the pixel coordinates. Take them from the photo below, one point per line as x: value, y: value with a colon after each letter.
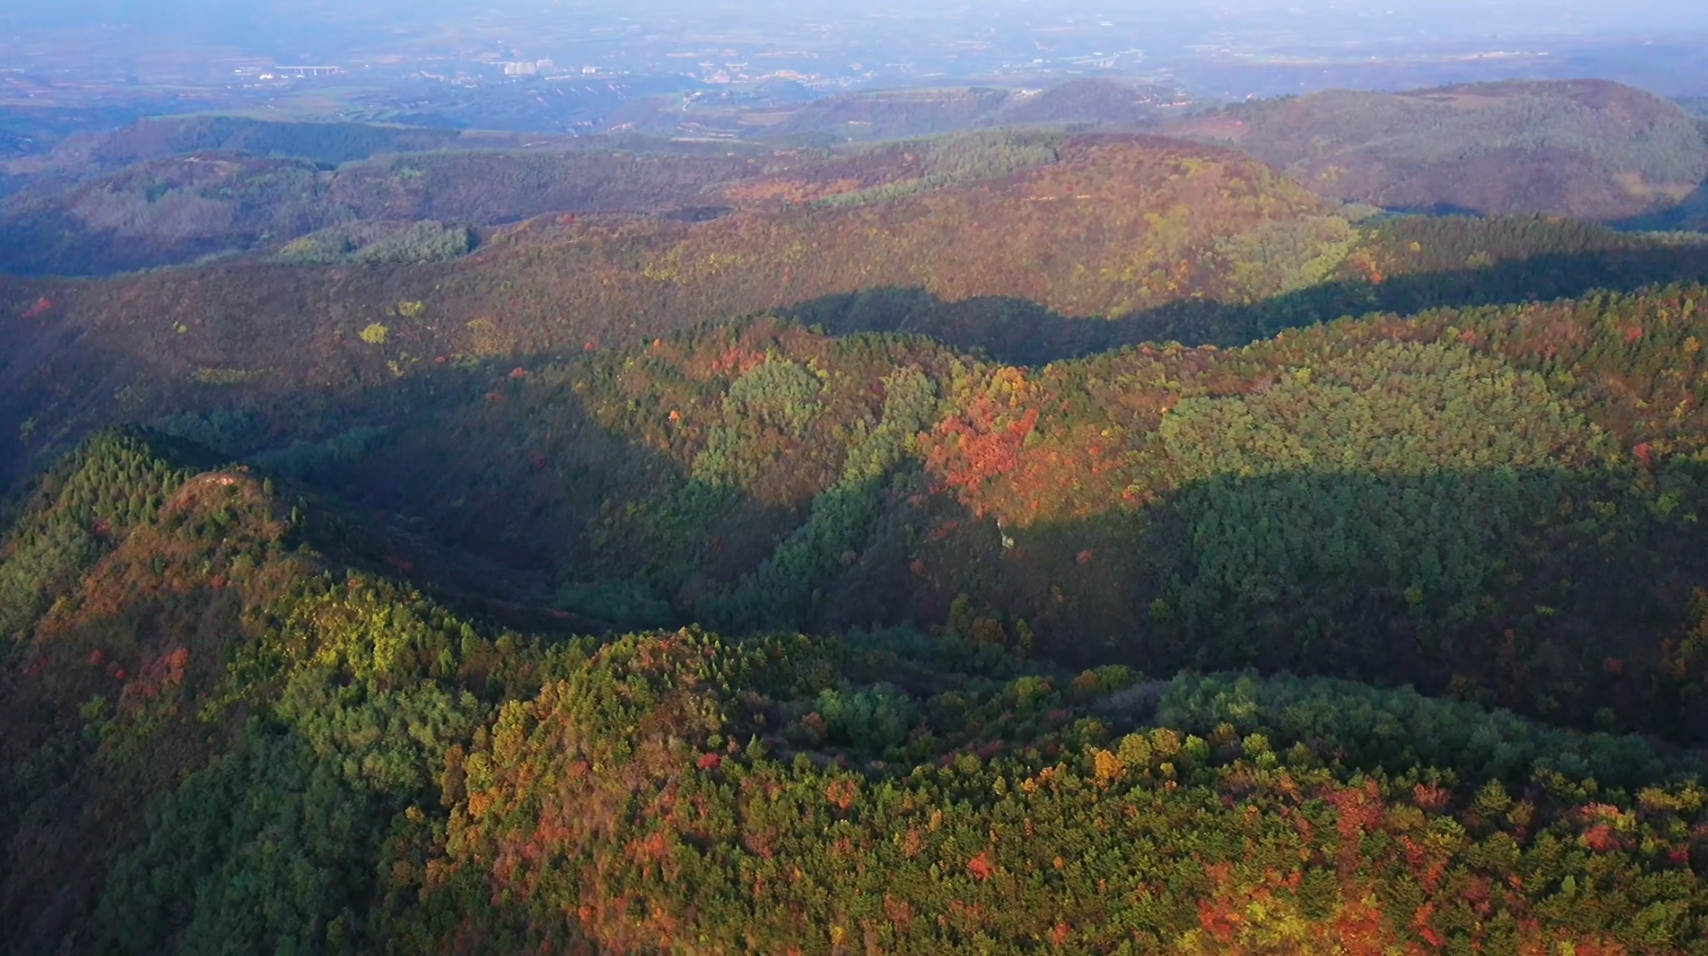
x: 1029, y: 540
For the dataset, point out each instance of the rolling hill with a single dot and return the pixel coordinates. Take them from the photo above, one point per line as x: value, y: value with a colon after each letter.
x: 1112, y: 225
x: 777, y: 112
x: 175, y: 190
x: 177, y: 209
x: 1019, y: 541
x: 232, y: 723
x: 1105, y: 241
x: 1586, y: 149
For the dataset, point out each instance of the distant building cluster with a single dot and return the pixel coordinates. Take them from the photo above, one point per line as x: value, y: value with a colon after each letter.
x: 527, y: 67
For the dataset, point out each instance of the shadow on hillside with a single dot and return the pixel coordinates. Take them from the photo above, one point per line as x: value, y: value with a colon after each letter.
x: 1022, y: 332
x: 1689, y: 214
x: 495, y: 503
x: 1511, y: 586
x: 497, y: 491
x: 513, y: 500
x: 1500, y: 585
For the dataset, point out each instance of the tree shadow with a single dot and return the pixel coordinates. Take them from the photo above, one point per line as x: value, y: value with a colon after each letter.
x: 497, y: 491
x: 1517, y: 588
x: 1689, y: 214
x: 1022, y: 332
x: 500, y: 493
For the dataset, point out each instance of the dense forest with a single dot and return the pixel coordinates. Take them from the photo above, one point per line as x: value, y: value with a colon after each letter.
x: 1174, y: 243
x: 1026, y: 541
x: 229, y: 733
x: 1589, y: 149
x: 245, y: 197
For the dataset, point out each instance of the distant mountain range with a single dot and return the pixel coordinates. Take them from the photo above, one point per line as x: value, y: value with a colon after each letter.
x: 766, y: 112
x: 174, y: 190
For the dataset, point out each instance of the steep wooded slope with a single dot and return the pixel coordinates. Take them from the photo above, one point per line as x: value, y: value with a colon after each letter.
x: 1473, y: 501
x: 1495, y: 502
x: 217, y: 739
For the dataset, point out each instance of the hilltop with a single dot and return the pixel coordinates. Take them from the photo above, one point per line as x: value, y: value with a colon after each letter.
x: 1584, y: 148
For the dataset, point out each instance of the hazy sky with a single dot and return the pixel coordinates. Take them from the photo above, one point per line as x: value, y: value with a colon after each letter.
x: 350, y: 24
x: 1469, y: 15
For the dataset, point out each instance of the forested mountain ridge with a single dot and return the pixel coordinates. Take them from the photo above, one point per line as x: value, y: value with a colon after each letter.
x: 174, y: 189
x: 317, y: 142
x: 1519, y: 460
x: 1583, y: 148
x: 547, y: 286
x: 219, y: 738
x: 1478, y: 525
x: 176, y: 209
x: 172, y: 209
x: 1107, y: 241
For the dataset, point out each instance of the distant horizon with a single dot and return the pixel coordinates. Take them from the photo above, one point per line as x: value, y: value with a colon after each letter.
x: 258, y: 24
x: 1232, y: 49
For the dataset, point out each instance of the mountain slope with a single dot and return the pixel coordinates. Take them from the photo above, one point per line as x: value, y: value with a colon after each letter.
x: 1469, y: 500
x: 1527, y: 472
x: 1111, y: 225
x: 174, y: 210
x: 1225, y: 570
x: 1587, y: 149
x: 218, y: 740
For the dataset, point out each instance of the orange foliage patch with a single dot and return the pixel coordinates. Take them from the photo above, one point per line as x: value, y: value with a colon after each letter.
x: 980, y: 867
x: 842, y: 793
x: 1428, y: 796
x: 985, y: 441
